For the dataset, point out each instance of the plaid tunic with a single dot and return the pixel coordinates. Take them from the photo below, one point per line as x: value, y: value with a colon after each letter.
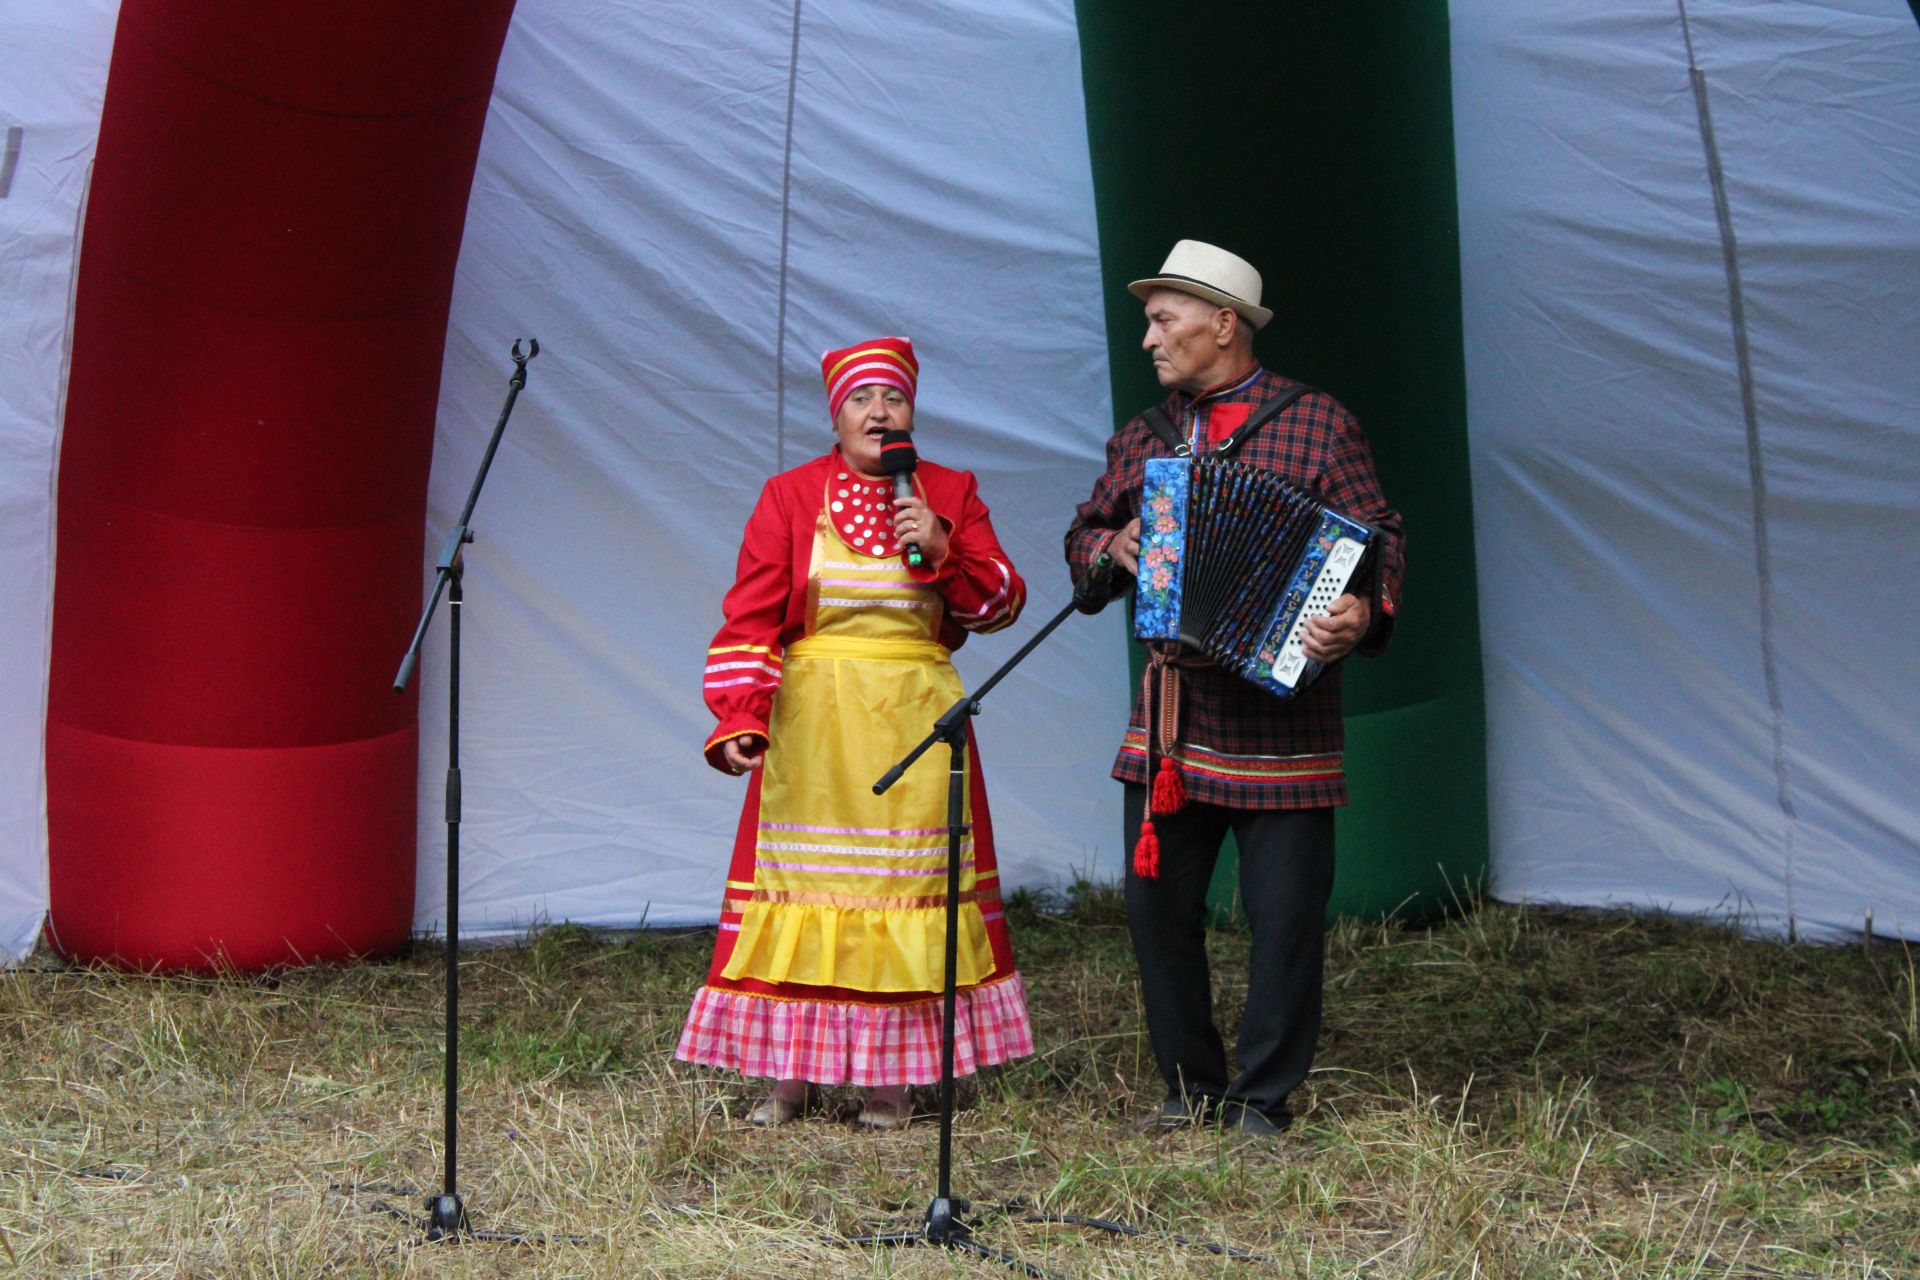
x: 1239, y: 746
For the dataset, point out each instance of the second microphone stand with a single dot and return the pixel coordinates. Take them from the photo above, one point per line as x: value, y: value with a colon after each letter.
x: 945, y: 1227
x: 446, y: 1215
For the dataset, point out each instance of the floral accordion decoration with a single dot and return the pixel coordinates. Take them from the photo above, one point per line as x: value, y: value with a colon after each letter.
x: 1234, y: 559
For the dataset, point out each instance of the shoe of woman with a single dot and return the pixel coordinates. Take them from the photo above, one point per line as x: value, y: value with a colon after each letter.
x: 886, y: 1109
x: 786, y: 1102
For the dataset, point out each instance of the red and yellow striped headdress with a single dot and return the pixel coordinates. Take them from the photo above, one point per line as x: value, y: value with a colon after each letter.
x: 884, y: 360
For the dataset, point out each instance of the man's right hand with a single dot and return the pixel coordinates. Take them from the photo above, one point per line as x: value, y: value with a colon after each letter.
x: 1125, y: 547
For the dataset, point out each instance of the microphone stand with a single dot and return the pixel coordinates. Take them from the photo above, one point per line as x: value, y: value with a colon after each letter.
x: 945, y: 1227
x: 446, y: 1215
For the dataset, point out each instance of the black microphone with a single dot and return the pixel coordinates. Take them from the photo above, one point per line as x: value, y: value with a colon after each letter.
x: 1096, y: 588
x: 898, y: 459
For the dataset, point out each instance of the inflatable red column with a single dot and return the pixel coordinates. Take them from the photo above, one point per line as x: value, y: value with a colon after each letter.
x: 269, y: 248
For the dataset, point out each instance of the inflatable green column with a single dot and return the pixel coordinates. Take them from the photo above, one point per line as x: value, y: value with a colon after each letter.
x: 1317, y: 142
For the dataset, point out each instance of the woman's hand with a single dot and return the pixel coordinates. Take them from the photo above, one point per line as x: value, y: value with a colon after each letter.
x: 913, y: 522
x: 744, y: 753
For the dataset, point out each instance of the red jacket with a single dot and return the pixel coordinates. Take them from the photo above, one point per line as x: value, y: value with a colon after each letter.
x: 766, y: 606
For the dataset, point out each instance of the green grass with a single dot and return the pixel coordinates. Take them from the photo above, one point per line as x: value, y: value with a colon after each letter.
x: 1511, y: 1093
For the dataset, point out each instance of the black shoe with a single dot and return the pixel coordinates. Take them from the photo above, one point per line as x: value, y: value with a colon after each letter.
x: 1181, y: 1113
x: 1242, y: 1118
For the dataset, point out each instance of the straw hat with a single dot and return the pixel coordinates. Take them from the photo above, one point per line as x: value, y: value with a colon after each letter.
x: 1211, y: 273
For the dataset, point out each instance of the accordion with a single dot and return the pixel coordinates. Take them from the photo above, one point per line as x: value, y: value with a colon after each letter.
x: 1233, y: 560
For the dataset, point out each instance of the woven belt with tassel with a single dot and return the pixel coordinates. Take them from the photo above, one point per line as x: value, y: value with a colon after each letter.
x: 1160, y: 696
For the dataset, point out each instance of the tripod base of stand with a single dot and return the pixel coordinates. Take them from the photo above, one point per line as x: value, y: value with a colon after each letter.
x: 944, y: 1224
x: 945, y: 1229
x: 446, y: 1217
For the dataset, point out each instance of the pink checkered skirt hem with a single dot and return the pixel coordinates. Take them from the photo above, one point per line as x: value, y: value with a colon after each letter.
x: 840, y: 1042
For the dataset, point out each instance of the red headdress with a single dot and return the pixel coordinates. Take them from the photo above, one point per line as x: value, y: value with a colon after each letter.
x: 884, y: 360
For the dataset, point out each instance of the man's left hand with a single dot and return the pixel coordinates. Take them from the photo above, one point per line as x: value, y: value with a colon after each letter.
x: 1332, y: 636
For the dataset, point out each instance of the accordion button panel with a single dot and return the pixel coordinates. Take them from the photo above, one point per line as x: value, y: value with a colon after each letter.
x: 1342, y: 559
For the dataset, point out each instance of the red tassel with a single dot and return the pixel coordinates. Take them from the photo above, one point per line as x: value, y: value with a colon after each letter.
x: 1146, y: 854
x: 1169, y: 790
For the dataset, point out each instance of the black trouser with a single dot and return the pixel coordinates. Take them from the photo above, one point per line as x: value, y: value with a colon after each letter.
x: 1286, y: 876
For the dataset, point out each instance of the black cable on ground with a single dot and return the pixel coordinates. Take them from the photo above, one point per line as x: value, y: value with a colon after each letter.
x: 378, y: 1205
x: 1020, y: 1211
x: 966, y: 1244
x: 1125, y: 1229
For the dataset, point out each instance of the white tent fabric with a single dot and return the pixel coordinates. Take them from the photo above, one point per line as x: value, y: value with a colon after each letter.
x: 687, y: 204
x: 53, y: 74
x: 1691, y: 276
x: 1691, y: 283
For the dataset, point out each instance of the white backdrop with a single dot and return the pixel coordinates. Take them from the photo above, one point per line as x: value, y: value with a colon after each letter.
x: 53, y: 74
x: 686, y: 205
x: 1693, y: 399
x: 918, y: 168
x: 1695, y: 488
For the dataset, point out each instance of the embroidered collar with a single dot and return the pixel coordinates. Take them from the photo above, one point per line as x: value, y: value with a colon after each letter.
x: 1239, y: 382
x: 861, y: 510
x: 1222, y: 419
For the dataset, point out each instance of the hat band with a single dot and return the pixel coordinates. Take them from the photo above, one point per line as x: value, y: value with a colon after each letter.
x: 1206, y: 284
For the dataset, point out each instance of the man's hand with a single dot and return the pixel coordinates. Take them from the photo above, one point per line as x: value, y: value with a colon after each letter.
x: 742, y: 754
x: 1332, y: 636
x: 1125, y: 547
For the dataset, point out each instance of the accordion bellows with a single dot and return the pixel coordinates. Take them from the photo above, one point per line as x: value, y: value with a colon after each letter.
x: 1233, y: 560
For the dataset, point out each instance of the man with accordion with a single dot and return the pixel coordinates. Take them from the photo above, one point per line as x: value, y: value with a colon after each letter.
x: 1206, y: 751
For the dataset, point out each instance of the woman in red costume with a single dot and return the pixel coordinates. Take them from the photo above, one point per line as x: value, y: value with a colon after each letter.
x: 832, y: 664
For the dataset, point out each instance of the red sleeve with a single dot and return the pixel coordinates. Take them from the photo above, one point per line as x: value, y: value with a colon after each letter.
x: 976, y: 578
x: 743, y: 664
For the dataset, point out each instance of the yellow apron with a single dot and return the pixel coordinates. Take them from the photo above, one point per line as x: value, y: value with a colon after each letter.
x: 849, y: 889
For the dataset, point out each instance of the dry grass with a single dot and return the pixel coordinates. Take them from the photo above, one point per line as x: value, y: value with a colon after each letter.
x: 1513, y: 1093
